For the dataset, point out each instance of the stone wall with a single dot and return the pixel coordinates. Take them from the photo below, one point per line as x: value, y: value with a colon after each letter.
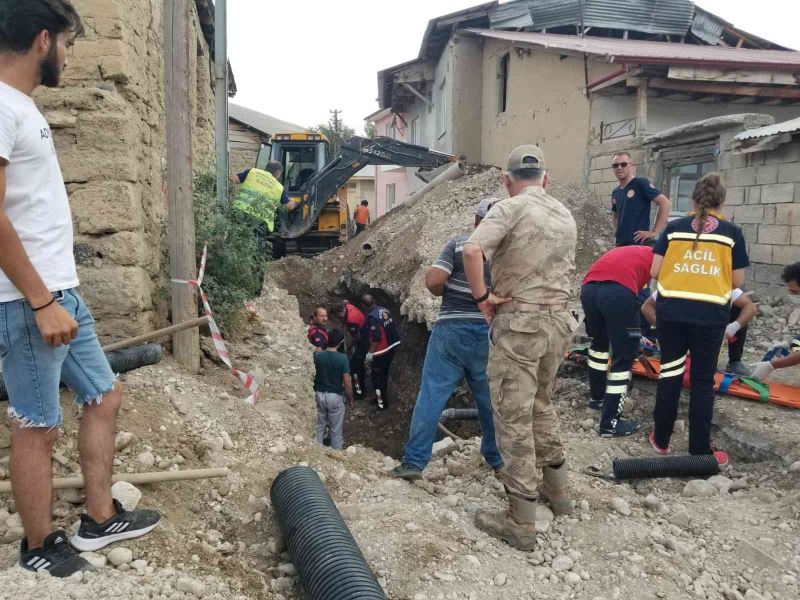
x: 244, y: 146
x: 764, y: 198
x: 108, y: 120
x: 599, y: 175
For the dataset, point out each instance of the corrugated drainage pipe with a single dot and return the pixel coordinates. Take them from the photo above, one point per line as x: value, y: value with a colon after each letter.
x: 458, y: 414
x: 327, y: 558
x: 666, y: 466
x: 367, y: 249
x: 121, y: 361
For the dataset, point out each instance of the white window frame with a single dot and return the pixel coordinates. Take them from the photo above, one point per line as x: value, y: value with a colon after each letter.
x: 390, y: 196
x: 441, y: 111
x: 416, y: 131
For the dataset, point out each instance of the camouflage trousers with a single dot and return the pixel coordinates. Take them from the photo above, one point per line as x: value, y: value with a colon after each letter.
x: 526, y: 353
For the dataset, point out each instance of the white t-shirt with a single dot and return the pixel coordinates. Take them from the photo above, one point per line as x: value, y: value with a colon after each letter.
x: 736, y: 293
x: 35, y: 197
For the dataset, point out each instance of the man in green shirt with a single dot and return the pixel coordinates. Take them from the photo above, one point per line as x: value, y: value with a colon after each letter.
x: 331, y: 384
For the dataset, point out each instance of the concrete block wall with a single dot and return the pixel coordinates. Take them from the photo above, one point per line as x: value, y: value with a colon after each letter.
x: 108, y: 120
x: 764, y: 198
x: 599, y: 175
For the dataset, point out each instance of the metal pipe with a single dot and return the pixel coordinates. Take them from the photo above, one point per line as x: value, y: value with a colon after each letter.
x: 221, y: 97
x: 66, y: 483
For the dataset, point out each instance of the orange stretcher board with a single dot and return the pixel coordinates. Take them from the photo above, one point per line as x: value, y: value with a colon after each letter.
x: 779, y: 393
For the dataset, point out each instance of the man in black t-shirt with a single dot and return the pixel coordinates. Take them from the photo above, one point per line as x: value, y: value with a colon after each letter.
x: 630, y: 203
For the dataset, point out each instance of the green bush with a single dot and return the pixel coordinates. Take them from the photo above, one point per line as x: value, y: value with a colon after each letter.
x: 236, y: 258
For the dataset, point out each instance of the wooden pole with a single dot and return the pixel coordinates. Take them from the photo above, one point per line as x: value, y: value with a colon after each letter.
x: 182, y: 261
x: 140, y: 478
x: 155, y: 335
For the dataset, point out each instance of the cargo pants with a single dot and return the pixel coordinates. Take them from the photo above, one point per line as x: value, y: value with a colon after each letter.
x: 527, y: 349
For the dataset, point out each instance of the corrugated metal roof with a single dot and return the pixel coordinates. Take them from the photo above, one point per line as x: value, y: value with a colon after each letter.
x: 645, y: 52
x: 513, y: 15
x: 708, y: 27
x: 777, y: 129
x: 666, y: 17
x: 261, y: 122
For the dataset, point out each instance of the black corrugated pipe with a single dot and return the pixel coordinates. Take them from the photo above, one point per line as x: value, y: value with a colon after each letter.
x: 327, y: 558
x: 666, y: 466
x: 121, y: 361
x: 458, y: 414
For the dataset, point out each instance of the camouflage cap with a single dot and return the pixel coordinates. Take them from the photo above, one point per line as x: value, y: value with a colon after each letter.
x: 526, y: 157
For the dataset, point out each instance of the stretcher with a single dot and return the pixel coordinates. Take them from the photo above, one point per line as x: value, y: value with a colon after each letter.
x: 780, y: 394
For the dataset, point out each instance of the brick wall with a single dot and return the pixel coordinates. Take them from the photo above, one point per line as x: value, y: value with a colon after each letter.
x: 109, y: 122
x: 764, y: 198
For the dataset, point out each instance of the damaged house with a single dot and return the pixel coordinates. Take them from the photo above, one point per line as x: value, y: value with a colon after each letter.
x: 586, y: 78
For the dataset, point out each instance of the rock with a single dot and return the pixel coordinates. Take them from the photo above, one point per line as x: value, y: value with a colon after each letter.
x: 5, y: 437
x: 680, y: 518
x: 299, y: 439
x: 275, y: 545
x: 213, y: 537
x: 587, y: 424
x: 500, y: 579
x: 752, y: 595
x: 120, y: 556
x: 98, y: 561
x: 722, y: 483
x: 127, y: 494
x: 756, y: 557
x: 123, y: 439
x: 562, y: 563
x: 227, y: 442
x: 351, y: 451
x: 572, y: 578
x: 450, y: 501
x: 443, y: 446
x: 444, y: 576
x: 795, y: 467
x: 287, y: 570
x: 191, y: 586
x: 473, y: 560
x: 146, y: 459
x: 794, y: 317
x: 766, y: 309
x: 72, y: 496
x: 621, y: 506
x: 699, y: 488
x: 140, y: 565
x: 653, y: 503
x: 388, y: 462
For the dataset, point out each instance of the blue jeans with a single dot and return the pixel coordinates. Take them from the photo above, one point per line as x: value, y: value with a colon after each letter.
x: 33, y: 369
x: 455, y: 351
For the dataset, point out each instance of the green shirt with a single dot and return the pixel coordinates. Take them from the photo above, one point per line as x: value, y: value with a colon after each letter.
x: 331, y: 366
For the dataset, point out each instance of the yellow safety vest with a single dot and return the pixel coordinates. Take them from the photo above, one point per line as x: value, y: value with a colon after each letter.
x: 260, y: 196
x: 703, y: 272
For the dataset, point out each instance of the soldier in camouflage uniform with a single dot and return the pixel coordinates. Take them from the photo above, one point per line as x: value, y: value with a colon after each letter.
x: 529, y: 241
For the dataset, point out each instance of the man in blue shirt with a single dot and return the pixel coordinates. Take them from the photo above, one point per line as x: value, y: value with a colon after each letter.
x: 630, y: 203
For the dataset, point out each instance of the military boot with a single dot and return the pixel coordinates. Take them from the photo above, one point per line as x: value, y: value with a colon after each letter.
x: 553, y: 490
x: 519, y: 524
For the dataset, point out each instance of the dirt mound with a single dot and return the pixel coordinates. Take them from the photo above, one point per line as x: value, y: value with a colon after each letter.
x: 409, y: 239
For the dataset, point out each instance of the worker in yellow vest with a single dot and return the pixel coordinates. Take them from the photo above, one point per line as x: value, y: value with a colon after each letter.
x: 698, y: 261
x: 261, y: 194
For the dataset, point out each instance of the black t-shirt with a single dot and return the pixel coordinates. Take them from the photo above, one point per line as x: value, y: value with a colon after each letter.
x: 632, y: 206
x: 331, y: 366
x: 243, y: 175
x: 692, y: 277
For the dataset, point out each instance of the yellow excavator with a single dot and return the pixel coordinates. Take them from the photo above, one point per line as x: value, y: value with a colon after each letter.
x: 321, y: 220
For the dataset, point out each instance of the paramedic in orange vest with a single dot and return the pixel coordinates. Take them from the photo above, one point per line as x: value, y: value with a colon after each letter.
x: 699, y: 260
x: 361, y: 216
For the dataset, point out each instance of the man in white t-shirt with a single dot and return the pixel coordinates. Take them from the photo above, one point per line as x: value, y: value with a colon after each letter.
x: 46, y: 332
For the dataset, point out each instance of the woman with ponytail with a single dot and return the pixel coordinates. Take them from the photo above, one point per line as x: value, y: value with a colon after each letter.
x: 699, y: 260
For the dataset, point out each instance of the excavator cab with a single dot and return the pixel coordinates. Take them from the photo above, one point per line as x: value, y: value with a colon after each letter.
x: 303, y: 155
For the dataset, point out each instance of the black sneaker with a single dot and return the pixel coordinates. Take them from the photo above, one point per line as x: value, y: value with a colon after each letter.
x: 125, y: 525
x: 56, y: 557
x: 619, y: 428
x: 596, y: 404
x: 406, y: 471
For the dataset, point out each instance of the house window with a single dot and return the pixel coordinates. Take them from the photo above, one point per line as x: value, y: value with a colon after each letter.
x: 502, y: 83
x: 441, y: 112
x: 682, y: 179
x: 389, y: 196
x: 415, y: 132
x: 391, y: 130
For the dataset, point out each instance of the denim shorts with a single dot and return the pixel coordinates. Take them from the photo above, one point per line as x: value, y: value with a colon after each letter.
x: 33, y: 369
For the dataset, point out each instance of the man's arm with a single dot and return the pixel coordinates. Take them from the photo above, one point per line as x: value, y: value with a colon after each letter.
x: 747, y: 310
x: 348, y: 387
x: 55, y: 324
x: 435, y: 279
x: 664, y: 206
x: 786, y: 361
x: 473, y: 266
x: 649, y: 311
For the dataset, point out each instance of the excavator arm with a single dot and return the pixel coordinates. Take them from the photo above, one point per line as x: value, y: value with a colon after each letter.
x: 356, y: 153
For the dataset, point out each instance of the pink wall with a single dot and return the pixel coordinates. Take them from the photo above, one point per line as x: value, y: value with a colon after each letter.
x: 397, y: 176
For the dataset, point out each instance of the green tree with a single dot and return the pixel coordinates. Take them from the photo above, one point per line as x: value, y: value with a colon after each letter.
x: 336, y: 132
x: 369, y: 130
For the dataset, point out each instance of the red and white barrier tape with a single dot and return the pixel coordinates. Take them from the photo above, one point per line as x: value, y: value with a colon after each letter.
x: 247, y: 379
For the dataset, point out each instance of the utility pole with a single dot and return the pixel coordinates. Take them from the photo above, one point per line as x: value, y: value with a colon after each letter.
x: 336, y: 122
x: 180, y: 198
x: 221, y: 97
x: 336, y: 142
